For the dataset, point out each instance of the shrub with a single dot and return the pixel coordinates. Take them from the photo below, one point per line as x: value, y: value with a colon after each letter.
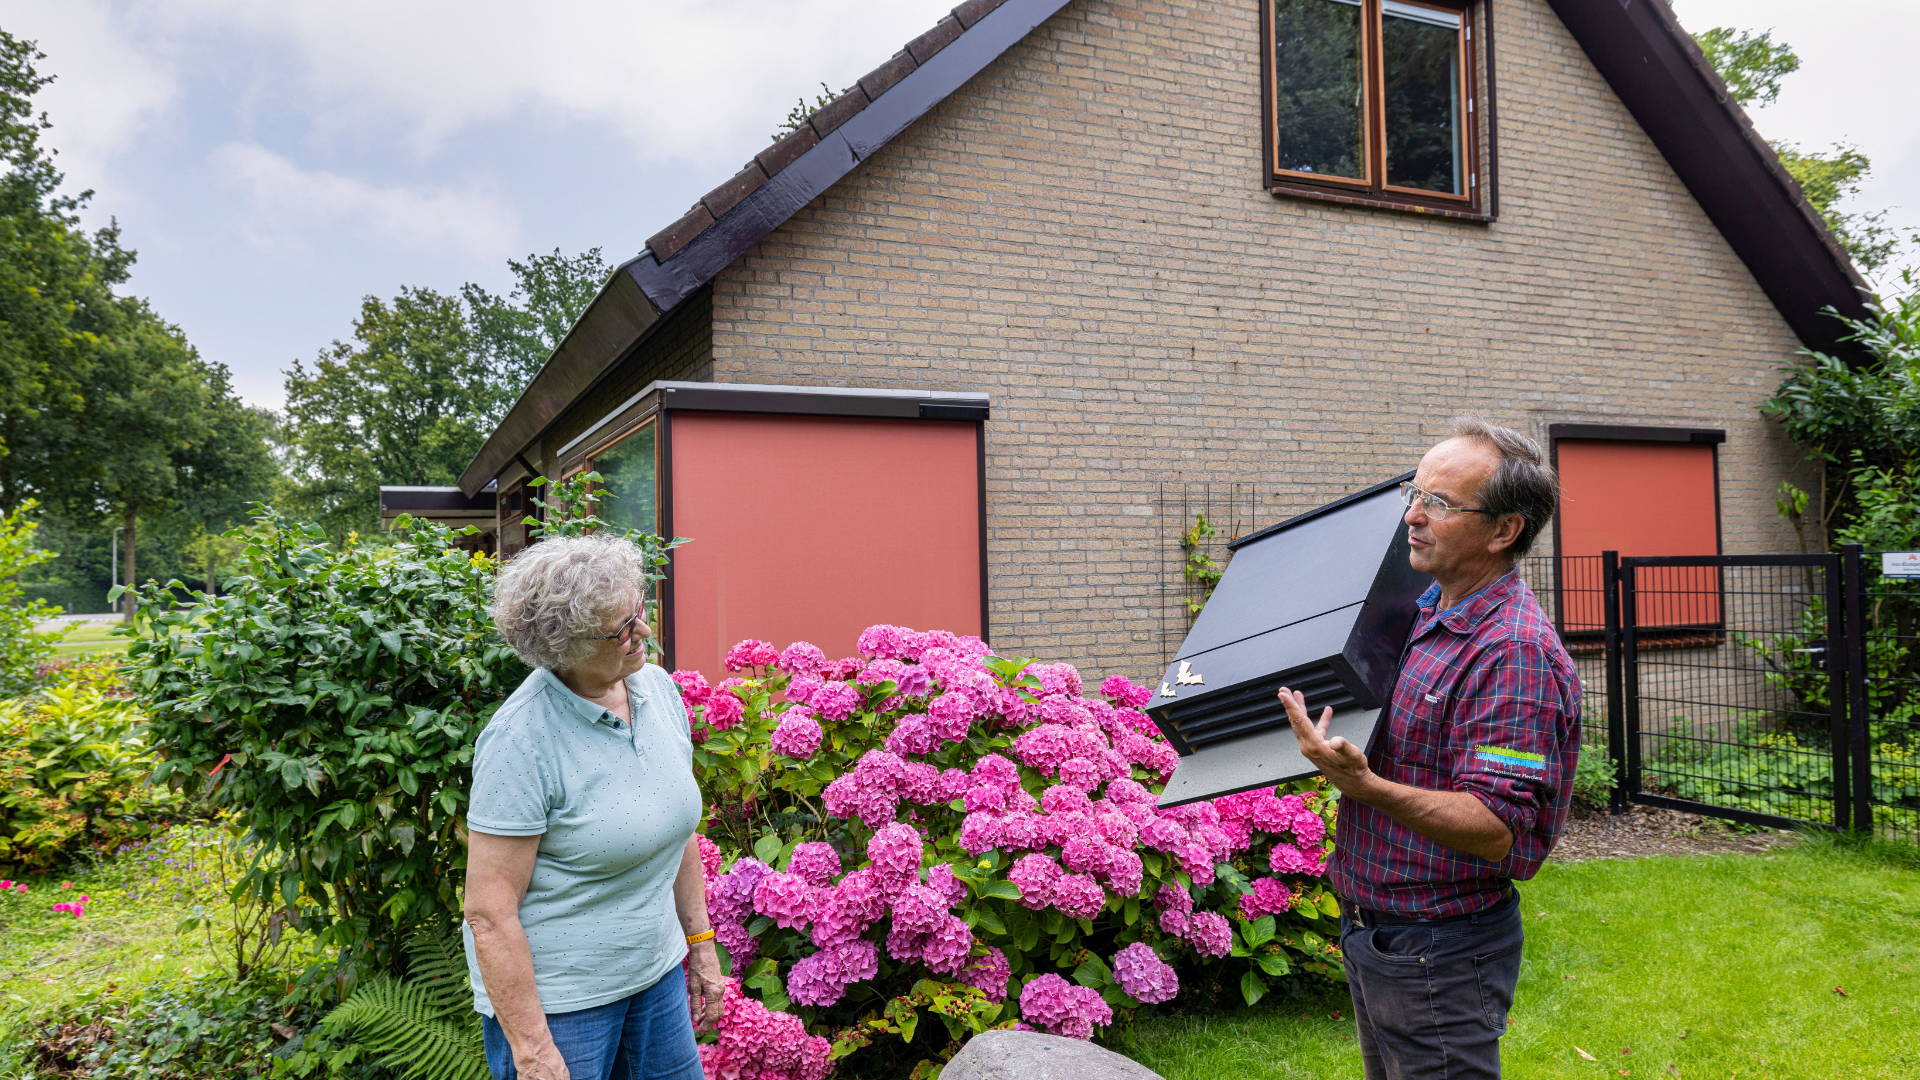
x: 22, y: 651
x: 74, y: 764
x: 927, y: 827
x: 331, y: 698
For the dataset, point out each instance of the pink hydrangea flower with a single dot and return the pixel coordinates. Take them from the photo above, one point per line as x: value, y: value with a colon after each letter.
x: 942, y: 880
x: 883, y: 640
x: 1269, y: 897
x: 1126, y: 792
x: 1009, y: 702
x: 1136, y: 721
x: 1174, y: 904
x: 1143, y: 975
x: 723, y: 710
x: 1058, y: 679
x: 1064, y: 799
x: 801, y: 656
x: 1061, y: 1008
x: 918, y: 909
x: 1125, y: 872
x: 1081, y: 773
x: 946, y: 949
x: 752, y: 653
x: 879, y: 671
x: 1045, y: 747
x: 990, y: 973
x: 787, y: 899
x: 842, y: 669
x: 1124, y: 692
x: 1291, y: 859
x: 1156, y: 757
x: 997, y: 771
x: 896, y: 850
x: 710, y: 857
x: 913, y: 735
x: 798, y: 735
x: 693, y: 686
x: 950, y: 714
x: 1210, y: 934
x: 800, y: 690
x: 823, y: 978
x: 854, y: 904
x: 869, y: 791
x: 756, y: 1043
x: 1078, y: 896
x: 1035, y: 877
x: 816, y: 863
x: 835, y: 700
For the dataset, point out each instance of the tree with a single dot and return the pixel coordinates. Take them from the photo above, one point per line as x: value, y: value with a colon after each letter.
x: 1752, y: 66
x: 406, y: 403
x: 516, y: 333
x: 106, y: 412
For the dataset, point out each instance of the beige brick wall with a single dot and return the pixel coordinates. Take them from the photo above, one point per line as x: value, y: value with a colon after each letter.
x: 1081, y: 231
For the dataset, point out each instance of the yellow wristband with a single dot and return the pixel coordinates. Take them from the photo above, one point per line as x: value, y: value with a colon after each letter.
x: 695, y: 939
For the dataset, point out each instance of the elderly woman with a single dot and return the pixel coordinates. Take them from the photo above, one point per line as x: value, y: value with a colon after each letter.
x: 584, y: 888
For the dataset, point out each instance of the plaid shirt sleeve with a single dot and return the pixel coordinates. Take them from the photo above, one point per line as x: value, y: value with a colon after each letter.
x: 1507, y: 745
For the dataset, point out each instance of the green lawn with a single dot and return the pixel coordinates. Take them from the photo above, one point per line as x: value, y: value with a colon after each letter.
x: 1710, y: 966
x: 85, y: 639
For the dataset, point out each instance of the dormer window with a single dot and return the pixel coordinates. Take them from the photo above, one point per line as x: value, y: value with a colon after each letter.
x: 1372, y: 99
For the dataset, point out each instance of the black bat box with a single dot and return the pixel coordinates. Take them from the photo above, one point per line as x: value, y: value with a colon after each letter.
x: 1322, y: 604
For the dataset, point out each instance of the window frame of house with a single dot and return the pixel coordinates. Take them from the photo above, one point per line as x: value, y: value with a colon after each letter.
x: 1373, y: 189
x: 647, y: 425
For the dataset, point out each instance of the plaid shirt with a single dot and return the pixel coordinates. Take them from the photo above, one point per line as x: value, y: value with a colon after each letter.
x: 1487, y: 702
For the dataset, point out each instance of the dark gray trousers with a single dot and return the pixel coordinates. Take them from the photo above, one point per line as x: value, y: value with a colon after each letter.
x: 1431, y: 1000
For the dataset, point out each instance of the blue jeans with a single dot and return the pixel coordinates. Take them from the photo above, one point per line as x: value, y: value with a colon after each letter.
x: 648, y: 1036
x: 1431, y: 1001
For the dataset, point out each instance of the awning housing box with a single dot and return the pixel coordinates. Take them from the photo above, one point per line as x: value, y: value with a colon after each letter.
x: 1321, y: 603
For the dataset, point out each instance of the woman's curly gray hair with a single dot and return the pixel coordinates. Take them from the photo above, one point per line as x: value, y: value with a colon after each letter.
x: 556, y: 595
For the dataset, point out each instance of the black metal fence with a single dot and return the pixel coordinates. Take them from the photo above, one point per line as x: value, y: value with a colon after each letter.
x: 1883, y: 635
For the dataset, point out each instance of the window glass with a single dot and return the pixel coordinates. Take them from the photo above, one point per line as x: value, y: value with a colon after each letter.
x: 1421, y: 51
x: 1317, y: 87
x: 627, y: 483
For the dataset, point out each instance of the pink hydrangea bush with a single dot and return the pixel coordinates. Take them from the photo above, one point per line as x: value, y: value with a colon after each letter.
x: 926, y: 840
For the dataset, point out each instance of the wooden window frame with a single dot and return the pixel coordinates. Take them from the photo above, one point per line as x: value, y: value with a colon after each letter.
x: 647, y: 425
x: 1477, y: 204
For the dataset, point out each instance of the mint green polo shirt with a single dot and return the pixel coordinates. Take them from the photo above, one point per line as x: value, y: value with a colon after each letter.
x: 614, y: 805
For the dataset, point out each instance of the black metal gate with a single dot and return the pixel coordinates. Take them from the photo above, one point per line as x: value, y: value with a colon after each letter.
x: 1778, y: 690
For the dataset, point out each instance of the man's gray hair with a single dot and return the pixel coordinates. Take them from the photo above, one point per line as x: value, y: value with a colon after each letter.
x: 1524, y: 484
x: 556, y: 595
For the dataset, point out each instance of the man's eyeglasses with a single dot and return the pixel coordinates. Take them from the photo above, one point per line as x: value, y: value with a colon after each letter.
x: 625, y: 632
x: 1436, y: 507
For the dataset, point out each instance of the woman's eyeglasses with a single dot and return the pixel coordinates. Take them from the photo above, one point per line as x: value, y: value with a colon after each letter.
x: 1437, y: 507
x: 625, y: 633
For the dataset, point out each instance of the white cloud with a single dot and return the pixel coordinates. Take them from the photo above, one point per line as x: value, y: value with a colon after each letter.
x: 282, y: 206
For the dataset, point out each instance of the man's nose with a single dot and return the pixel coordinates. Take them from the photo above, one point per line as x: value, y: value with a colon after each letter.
x: 1416, y: 514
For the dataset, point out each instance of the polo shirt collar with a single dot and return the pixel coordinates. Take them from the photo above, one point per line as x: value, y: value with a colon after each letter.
x: 581, y: 707
x: 1462, y: 617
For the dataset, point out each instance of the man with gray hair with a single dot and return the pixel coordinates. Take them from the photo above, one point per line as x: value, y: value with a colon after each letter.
x: 1468, y: 786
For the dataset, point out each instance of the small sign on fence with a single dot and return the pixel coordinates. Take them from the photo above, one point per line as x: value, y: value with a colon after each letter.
x: 1900, y: 563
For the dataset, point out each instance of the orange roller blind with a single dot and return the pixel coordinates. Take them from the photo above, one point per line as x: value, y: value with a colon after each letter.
x: 812, y: 528
x: 1641, y: 498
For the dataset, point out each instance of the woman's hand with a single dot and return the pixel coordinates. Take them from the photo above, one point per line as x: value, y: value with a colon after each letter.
x: 706, y: 988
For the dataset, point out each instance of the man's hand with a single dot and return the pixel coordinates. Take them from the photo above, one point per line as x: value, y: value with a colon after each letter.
x: 541, y: 1063
x: 1343, y: 764
x: 706, y: 989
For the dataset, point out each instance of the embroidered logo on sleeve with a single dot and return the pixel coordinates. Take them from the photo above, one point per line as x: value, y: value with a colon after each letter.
x: 1525, y: 761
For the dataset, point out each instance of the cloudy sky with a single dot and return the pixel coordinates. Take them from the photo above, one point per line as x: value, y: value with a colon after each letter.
x: 274, y: 161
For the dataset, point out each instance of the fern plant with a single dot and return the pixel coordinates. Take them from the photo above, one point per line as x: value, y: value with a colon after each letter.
x: 422, y: 1026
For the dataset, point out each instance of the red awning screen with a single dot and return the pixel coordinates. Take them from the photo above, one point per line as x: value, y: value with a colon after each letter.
x: 812, y: 528
x: 1640, y: 498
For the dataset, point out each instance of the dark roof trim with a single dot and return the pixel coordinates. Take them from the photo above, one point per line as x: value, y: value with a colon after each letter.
x: 1319, y: 510
x: 614, y: 324
x: 791, y: 401
x: 692, y: 251
x: 1635, y: 433
x: 1659, y: 73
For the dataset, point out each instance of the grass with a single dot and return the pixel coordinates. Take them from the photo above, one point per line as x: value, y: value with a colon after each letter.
x: 86, y: 639
x: 126, y: 937
x: 1708, y: 966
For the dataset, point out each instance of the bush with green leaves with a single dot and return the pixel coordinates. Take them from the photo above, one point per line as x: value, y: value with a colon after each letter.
x: 74, y: 765
x: 22, y: 649
x: 330, y: 698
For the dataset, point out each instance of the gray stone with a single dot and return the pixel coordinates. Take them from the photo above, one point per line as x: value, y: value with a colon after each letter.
x: 1029, y: 1055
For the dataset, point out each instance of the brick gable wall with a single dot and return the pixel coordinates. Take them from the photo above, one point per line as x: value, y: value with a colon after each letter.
x: 1081, y: 232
